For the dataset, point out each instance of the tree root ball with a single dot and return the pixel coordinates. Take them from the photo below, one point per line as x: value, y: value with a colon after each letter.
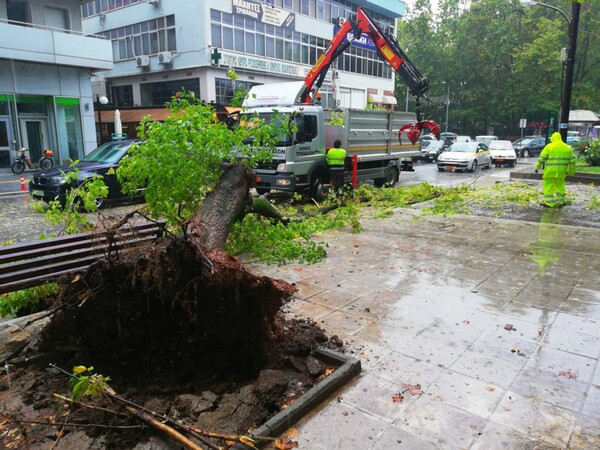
x: 165, y: 313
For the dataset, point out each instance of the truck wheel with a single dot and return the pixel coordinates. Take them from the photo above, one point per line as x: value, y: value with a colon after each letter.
x: 317, y: 188
x: 389, y: 179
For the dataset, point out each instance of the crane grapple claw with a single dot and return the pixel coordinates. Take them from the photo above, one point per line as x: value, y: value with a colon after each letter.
x: 414, y: 130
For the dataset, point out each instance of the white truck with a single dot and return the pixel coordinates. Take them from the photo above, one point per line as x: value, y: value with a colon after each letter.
x: 371, y: 138
x: 299, y: 162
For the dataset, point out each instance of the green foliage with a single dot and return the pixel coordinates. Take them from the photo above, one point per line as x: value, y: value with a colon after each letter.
x: 590, y: 150
x: 182, y: 158
x: 80, y: 198
x: 594, y: 203
x: 84, y: 383
x: 337, y: 118
x: 26, y: 301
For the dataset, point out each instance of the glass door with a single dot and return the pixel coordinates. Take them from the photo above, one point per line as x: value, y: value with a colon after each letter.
x: 35, y: 137
x: 5, y: 144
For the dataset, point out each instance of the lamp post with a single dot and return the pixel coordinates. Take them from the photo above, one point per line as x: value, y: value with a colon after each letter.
x: 100, y: 102
x: 573, y: 25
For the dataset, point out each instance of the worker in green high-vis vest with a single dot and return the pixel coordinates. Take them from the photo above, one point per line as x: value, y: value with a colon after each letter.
x: 336, y: 157
x: 558, y: 161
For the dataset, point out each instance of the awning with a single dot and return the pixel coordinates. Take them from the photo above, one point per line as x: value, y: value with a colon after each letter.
x: 389, y: 100
x: 374, y: 98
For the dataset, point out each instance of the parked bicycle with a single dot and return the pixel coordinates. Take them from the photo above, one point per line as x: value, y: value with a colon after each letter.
x: 46, y: 162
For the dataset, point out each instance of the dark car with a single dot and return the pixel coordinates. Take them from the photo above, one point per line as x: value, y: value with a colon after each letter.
x: 50, y: 184
x: 529, y: 146
x: 431, y: 149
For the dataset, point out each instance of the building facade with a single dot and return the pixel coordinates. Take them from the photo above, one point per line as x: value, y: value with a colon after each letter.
x: 163, y: 46
x: 46, y: 63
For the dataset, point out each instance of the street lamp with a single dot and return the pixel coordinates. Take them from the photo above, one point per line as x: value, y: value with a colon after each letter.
x: 573, y: 25
x: 100, y: 102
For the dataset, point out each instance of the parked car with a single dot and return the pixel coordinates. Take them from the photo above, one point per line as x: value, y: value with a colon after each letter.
x: 463, y: 139
x: 503, y: 152
x: 50, y: 184
x: 431, y: 149
x: 573, y: 137
x: 448, y: 135
x: 486, y: 139
x: 465, y: 156
x: 532, y: 146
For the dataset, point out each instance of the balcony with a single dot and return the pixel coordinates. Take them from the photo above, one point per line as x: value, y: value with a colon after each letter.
x: 39, y: 44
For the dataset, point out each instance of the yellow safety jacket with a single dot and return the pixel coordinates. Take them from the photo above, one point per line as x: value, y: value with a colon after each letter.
x: 336, y: 156
x: 557, y: 159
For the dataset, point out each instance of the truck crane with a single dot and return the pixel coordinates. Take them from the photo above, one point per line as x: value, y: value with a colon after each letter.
x: 375, y: 150
x: 388, y: 49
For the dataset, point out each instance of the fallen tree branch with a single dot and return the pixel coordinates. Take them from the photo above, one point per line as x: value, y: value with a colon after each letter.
x: 88, y: 406
x: 141, y: 414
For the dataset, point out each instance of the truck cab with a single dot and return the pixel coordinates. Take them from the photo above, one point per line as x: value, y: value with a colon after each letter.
x: 299, y: 157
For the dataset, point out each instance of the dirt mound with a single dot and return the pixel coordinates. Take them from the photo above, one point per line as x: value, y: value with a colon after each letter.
x: 193, y: 336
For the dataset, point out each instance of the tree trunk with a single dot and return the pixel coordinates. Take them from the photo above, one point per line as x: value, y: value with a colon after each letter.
x: 221, y: 208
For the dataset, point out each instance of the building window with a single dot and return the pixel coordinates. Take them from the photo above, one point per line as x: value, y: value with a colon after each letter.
x: 251, y: 37
x: 157, y: 94
x: 122, y: 95
x: 18, y: 11
x: 93, y: 7
x: 143, y: 38
x: 226, y: 88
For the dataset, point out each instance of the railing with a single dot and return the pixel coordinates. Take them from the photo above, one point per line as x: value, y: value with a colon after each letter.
x: 47, y: 28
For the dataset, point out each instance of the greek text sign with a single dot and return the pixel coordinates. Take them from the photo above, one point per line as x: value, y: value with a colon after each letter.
x: 264, y: 13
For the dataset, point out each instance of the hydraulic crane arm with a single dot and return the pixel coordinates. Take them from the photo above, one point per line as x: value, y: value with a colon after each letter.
x: 388, y: 49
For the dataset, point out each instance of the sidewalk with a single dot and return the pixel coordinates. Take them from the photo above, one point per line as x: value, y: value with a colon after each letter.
x: 497, y: 320
x: 10, y: 183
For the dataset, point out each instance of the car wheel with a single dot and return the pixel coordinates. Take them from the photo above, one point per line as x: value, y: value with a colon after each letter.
x: 441, y: 169
x: 474, y: 166
x: 489, y: 164
x: 526, y: 153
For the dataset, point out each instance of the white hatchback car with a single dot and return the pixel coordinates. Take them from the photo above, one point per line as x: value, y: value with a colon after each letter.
x: 465, y: 156
x: 502, y: 153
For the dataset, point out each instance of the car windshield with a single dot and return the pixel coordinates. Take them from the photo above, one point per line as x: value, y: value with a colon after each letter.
x: 462, y: 147
x: 499, y: 145
x: 275, y: 119
x: 109, y: 153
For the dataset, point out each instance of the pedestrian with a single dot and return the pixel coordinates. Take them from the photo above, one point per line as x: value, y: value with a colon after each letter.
x: 336, y: 158
x: 557, y: 161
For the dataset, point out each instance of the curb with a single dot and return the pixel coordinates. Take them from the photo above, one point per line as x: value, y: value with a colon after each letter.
x: 577, y: 178
x: 349, y: 368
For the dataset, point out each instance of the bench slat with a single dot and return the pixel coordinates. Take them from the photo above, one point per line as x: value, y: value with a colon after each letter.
x: 33, y: 263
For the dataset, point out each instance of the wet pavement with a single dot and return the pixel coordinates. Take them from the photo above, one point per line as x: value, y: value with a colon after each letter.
x: 497, y: 320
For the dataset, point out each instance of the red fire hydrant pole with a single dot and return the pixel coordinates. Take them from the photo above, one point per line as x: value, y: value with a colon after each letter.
x: 354, y: 170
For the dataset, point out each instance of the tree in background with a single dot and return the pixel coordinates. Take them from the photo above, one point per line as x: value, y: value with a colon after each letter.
x: 501, y: 61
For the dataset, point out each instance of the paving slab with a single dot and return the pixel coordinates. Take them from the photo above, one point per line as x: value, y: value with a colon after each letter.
x: 498, y: 321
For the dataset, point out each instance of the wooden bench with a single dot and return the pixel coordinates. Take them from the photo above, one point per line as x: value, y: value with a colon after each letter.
x: 34, y: 263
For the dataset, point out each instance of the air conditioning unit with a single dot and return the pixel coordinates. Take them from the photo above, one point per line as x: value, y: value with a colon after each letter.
x: 165, y: 58
x: 154, y: 2
x: 143, y: 61
x: 341, y: 21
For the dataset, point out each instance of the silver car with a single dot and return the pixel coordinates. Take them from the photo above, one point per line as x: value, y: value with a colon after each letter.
x: 503, y: 153
x: 465, y: 156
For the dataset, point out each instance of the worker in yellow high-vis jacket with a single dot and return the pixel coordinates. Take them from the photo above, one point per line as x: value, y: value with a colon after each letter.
x: 558, y: 161
x: 336, y: 157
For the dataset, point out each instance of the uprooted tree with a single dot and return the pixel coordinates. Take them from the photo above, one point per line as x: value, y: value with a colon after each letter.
x: 182, y: 307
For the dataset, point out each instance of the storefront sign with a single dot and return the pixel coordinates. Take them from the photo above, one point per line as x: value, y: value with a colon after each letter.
x: 264, y: 13
x: 237, y: 61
